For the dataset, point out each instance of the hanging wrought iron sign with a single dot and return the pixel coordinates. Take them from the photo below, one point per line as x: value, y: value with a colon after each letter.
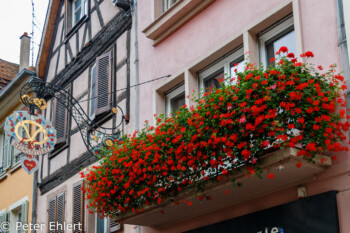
x: 31, y: 134
x: 34, y: 135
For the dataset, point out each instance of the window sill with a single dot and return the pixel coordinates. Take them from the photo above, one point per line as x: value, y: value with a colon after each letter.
x: 15, y: 167
x: 3, y: 176
x: 172, y: 19
x: 76, y: 28
x: 58, y: 149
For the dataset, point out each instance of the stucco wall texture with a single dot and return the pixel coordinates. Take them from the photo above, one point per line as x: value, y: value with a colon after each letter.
x: 213, y: 26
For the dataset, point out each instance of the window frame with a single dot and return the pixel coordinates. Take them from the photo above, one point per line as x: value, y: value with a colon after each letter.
x: 70, y: 26
x: 2, y: 146
x: 172, y: 94
x: 83, y: 7
x: 103, y: 113
x: 166, y: 6
x: 271, y: 34
x: 62, y: 144
x: 237, y: 55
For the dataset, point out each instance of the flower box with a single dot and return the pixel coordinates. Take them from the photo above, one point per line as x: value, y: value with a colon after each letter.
x: 282, y: 163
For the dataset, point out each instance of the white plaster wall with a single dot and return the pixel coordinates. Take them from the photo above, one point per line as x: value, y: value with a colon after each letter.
x: 58, y: 37
x: 72, y: 43
x: 81, y: 84
x: 78, y: 146
x: 61, y: 62
x: 95, y: 25
x: 108, y: 11
x: 121, y: 79
x: 52, y: 67
x: 58, y: 161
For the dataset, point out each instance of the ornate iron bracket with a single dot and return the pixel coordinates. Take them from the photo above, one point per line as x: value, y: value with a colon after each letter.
x: 35, y: 94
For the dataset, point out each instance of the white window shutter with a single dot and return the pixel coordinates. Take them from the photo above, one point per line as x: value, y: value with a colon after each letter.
x: 2, y: 217
x: 2, y: 145
x: 92, y: 106
x: 7, y: 153
x: 15, y: 151
x: 24, y: 214
x: 8, y: 218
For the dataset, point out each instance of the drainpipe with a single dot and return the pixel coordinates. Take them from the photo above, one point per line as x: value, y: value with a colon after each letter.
x: 35, y: 187
x: 136, y: 78
x: 343, y: 42
x: 343, y: 46
x: 136, y: 63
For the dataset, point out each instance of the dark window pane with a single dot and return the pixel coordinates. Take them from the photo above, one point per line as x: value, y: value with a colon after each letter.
x: 177, y: 102
x: 214, y: 81
x: 100, y: 225
x: 239, y: 67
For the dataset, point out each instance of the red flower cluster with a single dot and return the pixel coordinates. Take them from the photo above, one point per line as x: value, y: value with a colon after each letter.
x: 288, y: 105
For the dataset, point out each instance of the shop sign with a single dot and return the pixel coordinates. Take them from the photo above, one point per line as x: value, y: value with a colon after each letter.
x: 31, y: 134
x: 315, y: 214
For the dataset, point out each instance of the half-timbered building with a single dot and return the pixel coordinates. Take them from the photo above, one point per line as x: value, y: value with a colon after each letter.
x: 85, y: 50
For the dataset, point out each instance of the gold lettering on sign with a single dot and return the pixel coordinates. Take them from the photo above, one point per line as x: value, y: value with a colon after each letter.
x: 30, y: 137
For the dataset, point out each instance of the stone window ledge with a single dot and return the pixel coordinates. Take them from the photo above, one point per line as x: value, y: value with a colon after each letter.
x: 172, y: 19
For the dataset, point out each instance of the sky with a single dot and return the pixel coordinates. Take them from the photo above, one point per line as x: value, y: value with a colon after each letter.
x: 15, y: 19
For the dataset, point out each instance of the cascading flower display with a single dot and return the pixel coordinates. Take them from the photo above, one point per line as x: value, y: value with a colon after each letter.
x: 290, y: 104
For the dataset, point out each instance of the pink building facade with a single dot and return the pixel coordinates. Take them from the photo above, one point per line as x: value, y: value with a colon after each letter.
x: 197, y: 42
x: 189, y: 45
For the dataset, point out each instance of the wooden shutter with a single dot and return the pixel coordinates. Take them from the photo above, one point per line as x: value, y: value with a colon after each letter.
x: 92, y: 106
x: 24, y: 214
x: 52, y: 215
x: 7, y: 153
x: 103, y: 87
x: 114, y: 225
x: 78, y: 208
x: 60, y: 213
x: 8, y: 220
x: 59, y: 120
x: 2, y: 217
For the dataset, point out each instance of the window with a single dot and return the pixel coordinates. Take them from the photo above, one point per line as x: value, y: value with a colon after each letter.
x: 175, y: 99
x: 2, y: 155
x: 16, y: 157
x: 7, y: 152
x: 56, y: 214
x: 3, y: 216
x: 114, y: 225
x: 166, y: 4
x: 100, y: 86
x: 100, y: 224
x: 169, y: 15
x: 76, y: 10
x: 78, y: 208
x: 18, y: 212
x: 211, y: 76
x: 79, y: 10
x: 275, y: 37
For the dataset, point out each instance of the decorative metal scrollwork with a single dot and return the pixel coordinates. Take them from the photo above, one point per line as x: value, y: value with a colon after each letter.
x: 36, y: 93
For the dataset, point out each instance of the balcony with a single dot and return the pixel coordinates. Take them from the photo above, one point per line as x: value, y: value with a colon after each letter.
x: 282, y: 163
